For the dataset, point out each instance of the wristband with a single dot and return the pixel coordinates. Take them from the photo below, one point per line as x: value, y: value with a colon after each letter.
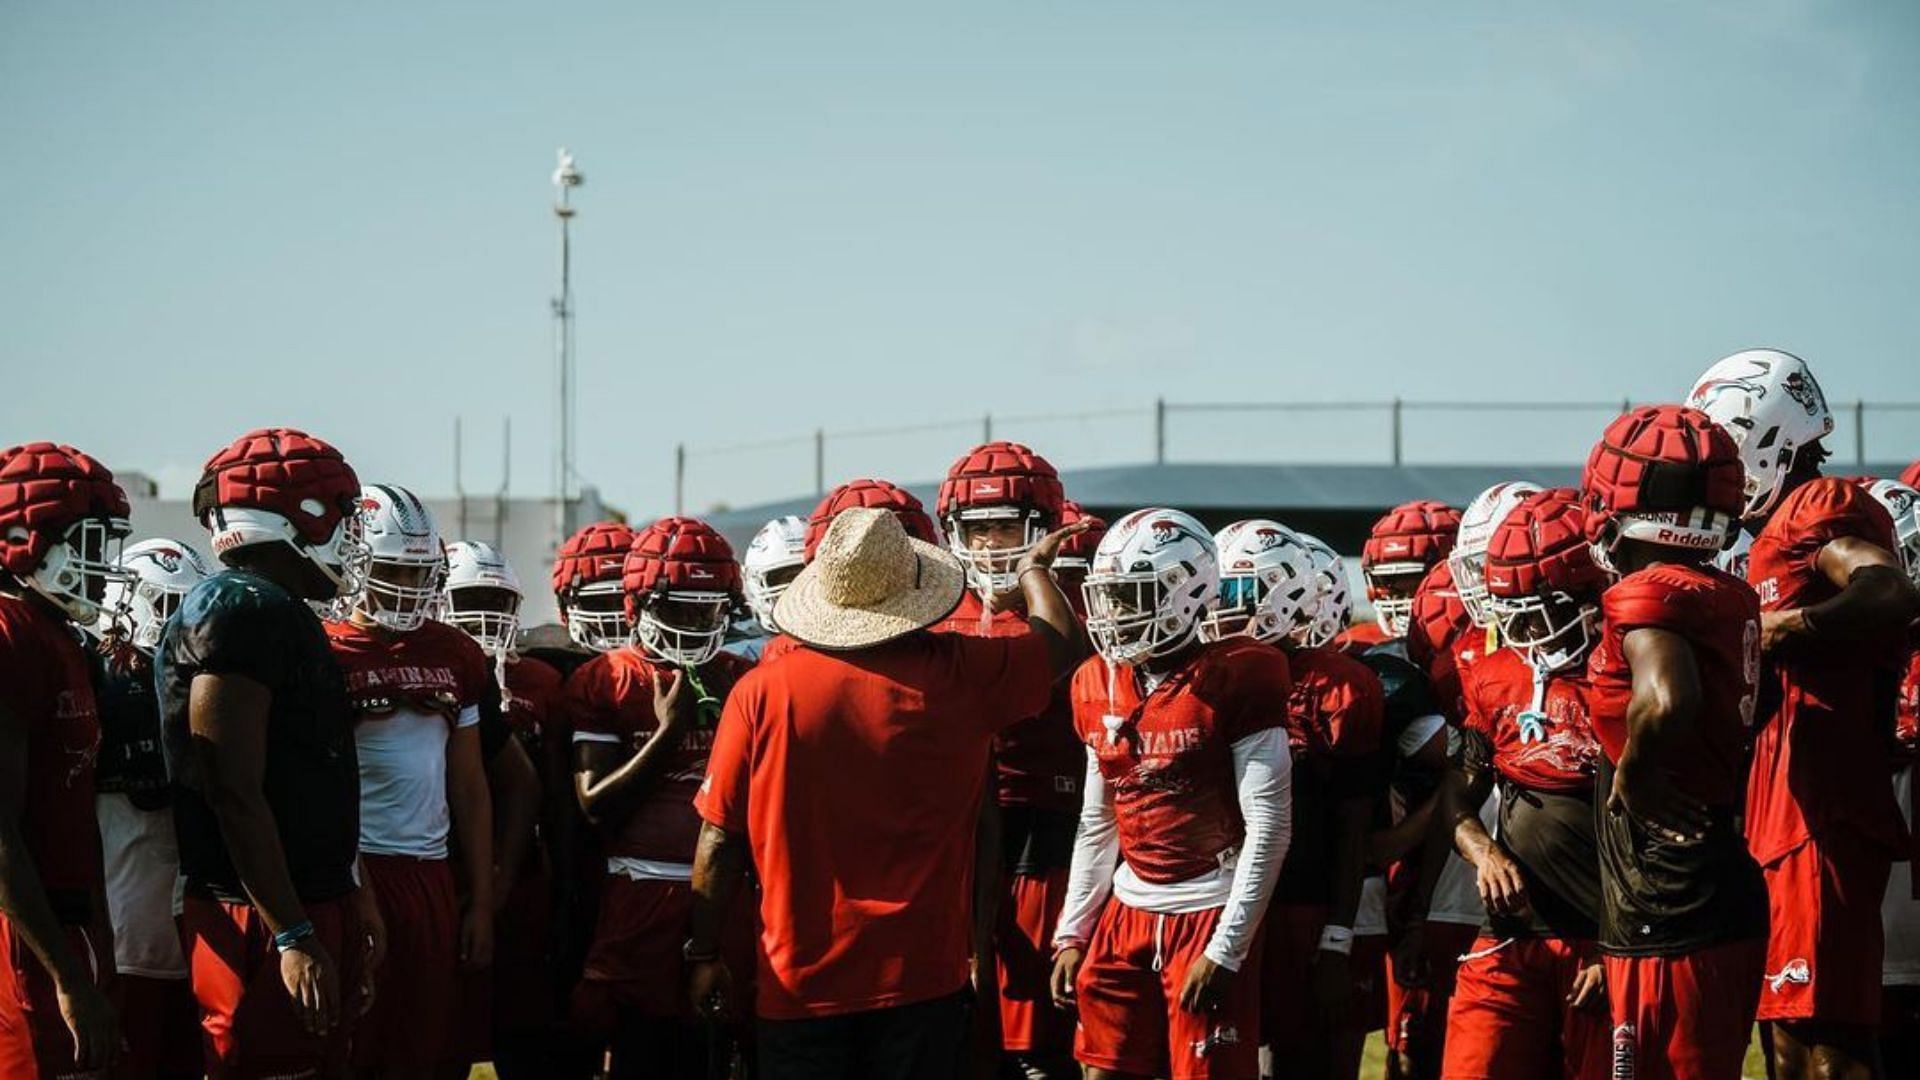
x: 1337, y: 939
x: 694, y: 955
x: 293, y: 935
x: 1031, y: 568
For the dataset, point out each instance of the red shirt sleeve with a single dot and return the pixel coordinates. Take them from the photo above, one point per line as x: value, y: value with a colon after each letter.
x: 722, y: 800
x: 1012, y: 677
x: 1827, y: 509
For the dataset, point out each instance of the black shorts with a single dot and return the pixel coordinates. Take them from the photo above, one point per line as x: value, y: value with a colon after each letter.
x: 922, y: 1041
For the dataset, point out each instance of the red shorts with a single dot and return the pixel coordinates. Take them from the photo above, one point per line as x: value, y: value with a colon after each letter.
x: 159, y: 1027
x: 248, y: 1025
x: 1023, y: 947
x: 34, y: 1040
x: 635, y: 965
x: 1417, y: 1016
x: 1510, y: 1016
x: 417, y: 988
x: 1825, y: 942
x: 1129, y: 992
x: 1684, y: 1017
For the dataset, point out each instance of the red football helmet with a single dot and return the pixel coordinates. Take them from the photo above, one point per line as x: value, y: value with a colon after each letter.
x: 1076, y: 552
x: 681, y: 585
x: 1662, y: 474
x: 871, y: 493
x: 1404, y: 544
x: 998, y: 482
x: 586, y: 582
x: 1910, y: 476
x: 1438, y: 616
x: 1543, y: 586
x: 281, y: 485
x: 62, y: 520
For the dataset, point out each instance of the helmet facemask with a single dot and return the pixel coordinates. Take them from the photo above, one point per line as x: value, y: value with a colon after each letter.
x: 75, y: 573
x: 1552, y: 631
x: 488, y: 614
x: 991, y: 541
x: 597, y: 615
x: 765, y: 586
x: 1391, y: 587
x: 683, y: 628
x: 1130, y: 618
x: 401, y: 594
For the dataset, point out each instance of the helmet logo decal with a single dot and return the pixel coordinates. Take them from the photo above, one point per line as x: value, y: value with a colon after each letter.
x: 1802, y: 389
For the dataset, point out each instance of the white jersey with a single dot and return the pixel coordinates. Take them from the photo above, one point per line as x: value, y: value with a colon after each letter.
x: 142, y: 862
x: 403, y: 782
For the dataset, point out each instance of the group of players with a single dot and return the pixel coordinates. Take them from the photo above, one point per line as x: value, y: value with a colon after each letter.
x: 1615, y: 772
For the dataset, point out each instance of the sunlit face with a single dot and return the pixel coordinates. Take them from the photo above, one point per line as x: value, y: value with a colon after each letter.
x: 993, y: 534
x: 397, y: 576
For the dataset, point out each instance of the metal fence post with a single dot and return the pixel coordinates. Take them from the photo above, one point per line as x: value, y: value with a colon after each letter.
x: 1859, y: 431
x: 679, y: 479
x: 986, y: 428
x: 819, y: 463
x: 1396, y: 432
x: 1159, y: 431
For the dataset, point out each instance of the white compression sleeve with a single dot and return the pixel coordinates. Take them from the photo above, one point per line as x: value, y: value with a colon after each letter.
x: 1263, y: 770
x: 1096, y: 851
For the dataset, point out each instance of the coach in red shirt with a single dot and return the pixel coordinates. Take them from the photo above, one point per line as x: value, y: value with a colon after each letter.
x: 850, y: 771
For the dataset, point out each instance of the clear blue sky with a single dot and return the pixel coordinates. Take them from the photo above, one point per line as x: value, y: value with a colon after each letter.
x: 217, y: 216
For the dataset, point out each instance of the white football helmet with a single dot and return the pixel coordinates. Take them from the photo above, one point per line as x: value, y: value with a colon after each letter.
x: 1468, y: 559
x: 773, y: 560
x: 159, y: 573
x: 1152, y: 578
x: 482, y: 595
x: 406, y: 561
x: 1769, y: 403
x: 1267, y: 577
x: 1903, y: 503
x: 1332, y: 608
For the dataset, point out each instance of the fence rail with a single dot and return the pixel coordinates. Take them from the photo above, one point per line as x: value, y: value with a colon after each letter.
x: 1129, y: 446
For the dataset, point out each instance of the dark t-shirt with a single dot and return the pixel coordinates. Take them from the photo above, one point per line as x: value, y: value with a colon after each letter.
x: 238, y: 623
x: 131, y: 762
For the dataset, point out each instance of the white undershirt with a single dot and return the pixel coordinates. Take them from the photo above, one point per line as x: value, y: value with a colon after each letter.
x: 403, y: 782
x: 1242, y: 885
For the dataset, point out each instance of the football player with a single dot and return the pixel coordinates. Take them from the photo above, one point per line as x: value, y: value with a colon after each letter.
x: 531, y: 782
x: 774, y: 558
x: 1900, y: 911
x: 1407, y: 542
x: 1076, y: 553
x: 996, y: 502
x: 61, y: 522
x: 1672, y: 689
x: 1270, y: 587
x: 586, y: 585
x: 643, y: 720
x: 1529, y: 997
x: 1185, y: 823
x: 1835, y: 606
x: 258, y: 733
x: 418, y: 689
x: 159, y: 1019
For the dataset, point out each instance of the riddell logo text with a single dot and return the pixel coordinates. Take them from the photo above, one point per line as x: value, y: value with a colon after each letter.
x: 1676, y: 538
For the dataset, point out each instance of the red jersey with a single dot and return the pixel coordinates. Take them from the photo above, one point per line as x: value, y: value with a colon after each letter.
x: 1359, y: 637
x: 1168, y: 757
x: 50, y: 694
x: 1336, y: 708
x: 529, y: 705
x: 848, y: 774
x: 610, y: 699
x: 434, y: 669
x: 1038, y: 762
x: 1906, y: 720
x: 1719, y: 618
x: 1501, y: 689
x: 1828, y: 732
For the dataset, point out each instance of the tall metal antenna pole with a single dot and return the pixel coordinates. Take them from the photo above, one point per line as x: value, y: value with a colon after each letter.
x: 565, y: 178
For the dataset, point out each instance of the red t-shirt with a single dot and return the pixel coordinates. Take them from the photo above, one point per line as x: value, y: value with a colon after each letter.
x: 856, y: 779
x: 533, y: 689
x: 1038, y: 762
x: 610, y: 699
x: 49, y: 693
x: 777, y: 646
x: 1720, y: 618
x: 1828, y: 732
x: 1501, y: 688
x: 1168, y: 759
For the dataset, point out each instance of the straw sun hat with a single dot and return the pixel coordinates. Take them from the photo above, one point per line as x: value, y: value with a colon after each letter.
x: 869, y: 583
